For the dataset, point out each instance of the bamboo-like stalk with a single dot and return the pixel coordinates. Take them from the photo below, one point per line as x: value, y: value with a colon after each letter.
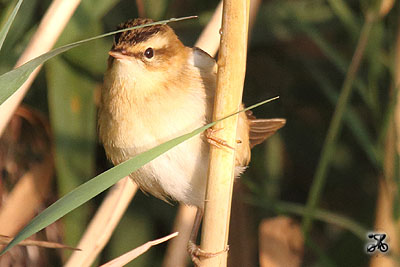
x: 208, y: 41
x: 140, y: 7
x: 228, y: 97
x: 281, y: 242
x: 103, y: 224
x: 396, y: 89
x: 384, y: 221
x: 50, y: 28
x: 32, y: 188
x: 209, y: 38
x: 4, y: 240
x: 176, y: 254
x: 387, y: 189
x: 26, y: 197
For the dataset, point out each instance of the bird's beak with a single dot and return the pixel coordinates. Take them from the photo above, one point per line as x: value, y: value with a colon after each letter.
x: 119, y: 54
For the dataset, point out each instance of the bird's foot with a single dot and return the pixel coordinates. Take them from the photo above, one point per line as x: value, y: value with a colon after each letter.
x: 196, y: 252
x: 216, y: 141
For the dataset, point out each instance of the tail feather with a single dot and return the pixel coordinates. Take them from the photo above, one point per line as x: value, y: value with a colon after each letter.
x: 261, y: 129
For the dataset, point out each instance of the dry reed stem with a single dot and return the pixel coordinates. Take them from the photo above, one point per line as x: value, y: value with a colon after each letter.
x: 141, y: 9
x: 281, y: 242
x: 26, y: 197
x: 50, y: 28
x: 386, y: 6
x: 384, y: 223
x: 4, y: 240
x: 176, y: 255
x: 384, y: 220
x: 32, y: 188
x: 243, y: 237
x: 103, y: 224
x: 131, y: 255
x: 208, y: 41
x: 228, y: 97
x: 210, y: 37
x: 254, y: 7
x: 397, y: 85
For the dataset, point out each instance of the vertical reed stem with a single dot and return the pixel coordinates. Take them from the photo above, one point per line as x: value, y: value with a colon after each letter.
x: 231, y: 73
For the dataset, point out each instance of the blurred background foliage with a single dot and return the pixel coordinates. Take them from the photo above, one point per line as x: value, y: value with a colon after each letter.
x: 299, y: 50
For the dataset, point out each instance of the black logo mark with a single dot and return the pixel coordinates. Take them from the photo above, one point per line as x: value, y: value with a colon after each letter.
x: 379, y: 244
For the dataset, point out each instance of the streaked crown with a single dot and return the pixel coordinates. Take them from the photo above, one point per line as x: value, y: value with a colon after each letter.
x: 133, y: 37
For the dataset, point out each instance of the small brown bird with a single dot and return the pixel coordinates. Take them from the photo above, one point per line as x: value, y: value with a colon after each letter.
x: 156, y: 89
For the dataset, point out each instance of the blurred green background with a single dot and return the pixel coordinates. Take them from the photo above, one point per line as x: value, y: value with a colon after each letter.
x: 299, y: 50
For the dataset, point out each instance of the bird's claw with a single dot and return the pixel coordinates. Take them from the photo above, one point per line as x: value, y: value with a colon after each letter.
x: 216, y: 141
x: 196, y: 252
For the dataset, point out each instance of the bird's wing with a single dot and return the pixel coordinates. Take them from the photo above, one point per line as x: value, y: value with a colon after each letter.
x: 204, y: 61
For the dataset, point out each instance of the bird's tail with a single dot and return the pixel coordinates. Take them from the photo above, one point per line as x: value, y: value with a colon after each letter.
x: 261, y: 129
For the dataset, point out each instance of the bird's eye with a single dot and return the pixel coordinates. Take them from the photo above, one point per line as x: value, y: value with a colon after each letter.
x: 149, y: 53
x: 116, y: 37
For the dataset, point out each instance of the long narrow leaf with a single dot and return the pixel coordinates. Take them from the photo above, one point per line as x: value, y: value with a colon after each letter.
x: 133, y: 254
x: 335, y: 126
x: 337, y: 59
x: 6, y: 28
x: 346, y: 15
x: 12, y: 80
x: 353, y: 121
x: 326, y: 216
x: 285, y: 207
x: 100, y: 183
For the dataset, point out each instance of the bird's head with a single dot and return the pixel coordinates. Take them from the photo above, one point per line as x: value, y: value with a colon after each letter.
x: 149, y: 49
